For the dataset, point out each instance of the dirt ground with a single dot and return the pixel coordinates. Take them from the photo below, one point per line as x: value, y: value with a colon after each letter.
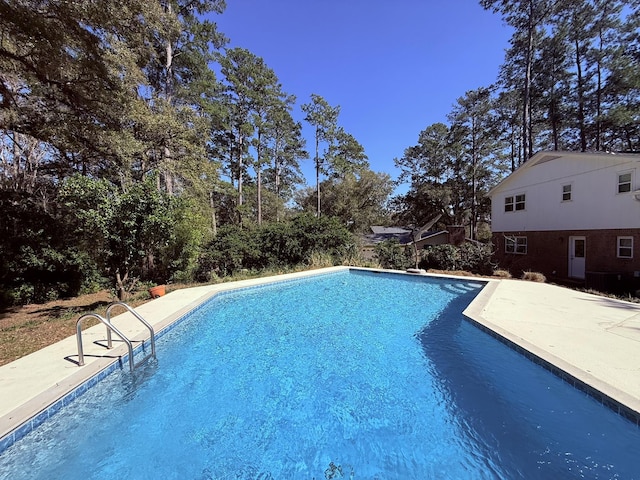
x: 28, y: 328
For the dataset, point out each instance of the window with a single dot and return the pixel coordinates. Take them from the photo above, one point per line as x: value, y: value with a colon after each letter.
x: 566, y: 193
x: 508, y: 204
x: 514, y: 203
x: 624, y: 182
x: 516, y: 245
x: 625, y: 247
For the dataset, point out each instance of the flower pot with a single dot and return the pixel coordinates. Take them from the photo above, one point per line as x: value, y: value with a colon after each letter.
x: 157, y: 291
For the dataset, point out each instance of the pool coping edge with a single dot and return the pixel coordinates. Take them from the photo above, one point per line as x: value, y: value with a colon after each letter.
x: 613, y: 398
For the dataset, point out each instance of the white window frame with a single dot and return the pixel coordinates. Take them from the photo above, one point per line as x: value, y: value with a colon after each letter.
x: 509, y: 204
x: 626, y: 248
x: 515, y: 245
x: 626, y: 182
x: 567, y: 192
x: 515, y: 203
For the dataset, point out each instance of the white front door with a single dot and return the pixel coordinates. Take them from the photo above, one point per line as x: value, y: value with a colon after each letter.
x: 577, y: 254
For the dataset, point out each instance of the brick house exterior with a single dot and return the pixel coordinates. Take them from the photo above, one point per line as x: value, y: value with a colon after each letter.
x: 573, y: 216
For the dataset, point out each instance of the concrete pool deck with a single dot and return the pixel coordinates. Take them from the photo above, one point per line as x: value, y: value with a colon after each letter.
x: 594, y: 339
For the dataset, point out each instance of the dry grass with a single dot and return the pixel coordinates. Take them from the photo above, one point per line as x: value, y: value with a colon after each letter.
x: 29, y: 328
x: 459, y: 273
x: 320, y: 260
x: 534, y: 277
x: 502, y: 274
x: 26, y: 329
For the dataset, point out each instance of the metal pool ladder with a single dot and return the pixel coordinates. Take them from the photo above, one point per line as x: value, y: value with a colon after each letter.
x: 112, y: 328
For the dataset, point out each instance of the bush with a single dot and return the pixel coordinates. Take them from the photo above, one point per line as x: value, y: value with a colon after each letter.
x: 472, y: 257
x: 38, y: 273
x: 302, y: 240
x: 533, y: 276
x: 392, y: 255
x: 39, y: 257
x: 231, y: 250
x: 476, y: 258
x: 441, y: 257
x: 179, y: 256
x: 502, y: 273
x: 320, y: 260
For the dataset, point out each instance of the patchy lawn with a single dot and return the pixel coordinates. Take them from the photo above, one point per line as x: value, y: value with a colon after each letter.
x: 29, y: 328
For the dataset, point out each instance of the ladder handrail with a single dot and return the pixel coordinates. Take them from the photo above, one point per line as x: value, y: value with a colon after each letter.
x: 152, y: 336
x: 110, y: 327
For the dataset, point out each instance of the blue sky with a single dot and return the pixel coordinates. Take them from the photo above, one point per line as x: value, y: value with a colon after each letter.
x: 394, y: 67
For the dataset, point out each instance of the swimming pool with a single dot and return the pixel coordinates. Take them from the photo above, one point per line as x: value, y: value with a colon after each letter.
x: 353, y: 374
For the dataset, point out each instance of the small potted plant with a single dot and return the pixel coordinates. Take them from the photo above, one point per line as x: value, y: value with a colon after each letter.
x: 157, y: 291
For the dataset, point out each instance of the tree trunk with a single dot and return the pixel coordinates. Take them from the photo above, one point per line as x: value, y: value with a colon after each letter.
x: 554, y: 121
x: 599, y: 91
x: 168, y: 92
x: 317, y: 178
x: 527, y: 136
x: 259, y: 177
x: 240, y: 198
x: 474, y: 187
x: 259, y: 199
x: 120, y: 285
x: 168, y: 177
x: 240, y: 194
x: 214, y: 227
x: 277, y: 182
x: 580, y: 85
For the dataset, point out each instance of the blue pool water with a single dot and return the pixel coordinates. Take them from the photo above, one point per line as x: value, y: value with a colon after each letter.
x: 349, y: 375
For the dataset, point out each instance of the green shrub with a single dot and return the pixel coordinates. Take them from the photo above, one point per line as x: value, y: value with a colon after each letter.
x: 441, y: 257
x: 179, y: 255
x: 476, y: 258
x: 230, y: 251
x: 39, y: 256
x: 392, y: 255
x: 471, y: 257
x: 303, y: 240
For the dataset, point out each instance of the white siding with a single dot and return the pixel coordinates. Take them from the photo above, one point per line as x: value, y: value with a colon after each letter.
x: 595, y: 203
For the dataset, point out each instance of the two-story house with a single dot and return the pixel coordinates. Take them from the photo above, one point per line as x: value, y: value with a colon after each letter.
x: 570, y: 216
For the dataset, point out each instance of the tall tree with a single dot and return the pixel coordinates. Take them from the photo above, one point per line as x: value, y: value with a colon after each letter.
x: 324, y: 119
x: 577, y: 15
x: 342, y: 153
x: 357, y: 200
x: 474, y: 130
x: 426, y: 166
x: 606, y: 27
x: 552, y: 88
x: 621, y: 90
x: 66, y: 72
x: 346, y: 155
x: 427, y: 160
x: 238, y: 66
x: 271, y: 106
x: 255, y: 98
x: 507, y: 109
x: 527, y: 17
x: 285, y: 149
x: 179, y: 73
